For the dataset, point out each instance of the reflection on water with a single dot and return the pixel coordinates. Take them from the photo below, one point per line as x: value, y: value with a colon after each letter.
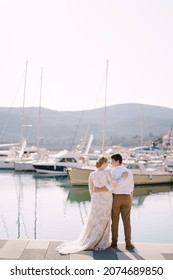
x: 141, y: 192
x: 44, y: 207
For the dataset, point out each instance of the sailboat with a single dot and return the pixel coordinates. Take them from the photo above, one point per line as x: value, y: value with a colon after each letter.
x: 7, y: 159
x: 25, y: 163
x: 15, y: 154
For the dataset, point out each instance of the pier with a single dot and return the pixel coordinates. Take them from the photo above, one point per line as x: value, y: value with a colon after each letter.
x: 19, y: 249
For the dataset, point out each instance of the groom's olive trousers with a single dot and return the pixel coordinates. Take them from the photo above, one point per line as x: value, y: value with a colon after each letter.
x: 121, y: 205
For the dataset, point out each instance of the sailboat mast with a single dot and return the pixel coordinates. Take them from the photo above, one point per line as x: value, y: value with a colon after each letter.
x: 104, y: 120
x: 23, y: 113
x: 142, y: 126
x: 39, y: 113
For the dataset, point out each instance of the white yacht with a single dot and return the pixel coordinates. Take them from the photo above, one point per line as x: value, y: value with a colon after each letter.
x: 58, y: 164
x: 142, y: 176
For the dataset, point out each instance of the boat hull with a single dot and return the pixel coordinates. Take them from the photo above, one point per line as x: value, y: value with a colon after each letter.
x: 51, y: 169
x: 23, y: 166
x: 6, y: 165
x: 79, y: 176
x: 151, y: 179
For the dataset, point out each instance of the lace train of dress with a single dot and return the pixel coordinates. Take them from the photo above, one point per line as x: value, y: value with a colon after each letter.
x: 95, y: 233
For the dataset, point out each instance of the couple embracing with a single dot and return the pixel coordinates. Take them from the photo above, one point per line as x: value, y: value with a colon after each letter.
x: 111, y: 195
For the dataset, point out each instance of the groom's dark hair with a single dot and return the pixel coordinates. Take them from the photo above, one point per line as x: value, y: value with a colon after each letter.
x: 117, y: 157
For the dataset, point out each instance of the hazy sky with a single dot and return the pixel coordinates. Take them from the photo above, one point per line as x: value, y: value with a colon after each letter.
x: 71, y: 40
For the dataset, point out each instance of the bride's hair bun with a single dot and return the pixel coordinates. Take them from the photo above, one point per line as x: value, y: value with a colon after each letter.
x: 100, y: 161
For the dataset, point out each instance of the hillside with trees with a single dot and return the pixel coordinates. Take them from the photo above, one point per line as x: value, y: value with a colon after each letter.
x: 126, y: 125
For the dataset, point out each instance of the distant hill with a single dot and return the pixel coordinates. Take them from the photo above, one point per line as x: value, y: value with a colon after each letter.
x: 125, y: 125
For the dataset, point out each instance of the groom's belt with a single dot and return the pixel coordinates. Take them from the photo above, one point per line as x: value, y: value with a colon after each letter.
x: 120, y: 194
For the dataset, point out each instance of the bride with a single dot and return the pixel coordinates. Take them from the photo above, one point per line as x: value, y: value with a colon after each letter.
x: 95, y: 234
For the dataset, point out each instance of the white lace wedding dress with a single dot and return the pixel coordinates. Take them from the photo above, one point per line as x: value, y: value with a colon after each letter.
x: 95, y: 233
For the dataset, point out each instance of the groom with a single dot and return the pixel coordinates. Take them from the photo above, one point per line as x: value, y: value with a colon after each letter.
x: 122, y: 201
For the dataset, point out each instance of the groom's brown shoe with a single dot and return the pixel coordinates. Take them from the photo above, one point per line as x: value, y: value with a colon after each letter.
x: 130, y: 246
x: 114, y: 246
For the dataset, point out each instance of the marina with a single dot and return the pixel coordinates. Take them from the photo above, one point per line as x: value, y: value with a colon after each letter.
x: 82, y: 79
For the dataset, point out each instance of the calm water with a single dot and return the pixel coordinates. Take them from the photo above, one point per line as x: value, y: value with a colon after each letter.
x: 50, y: 208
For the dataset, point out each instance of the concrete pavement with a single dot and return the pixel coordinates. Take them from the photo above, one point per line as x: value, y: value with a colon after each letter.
x: 18, y: 249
